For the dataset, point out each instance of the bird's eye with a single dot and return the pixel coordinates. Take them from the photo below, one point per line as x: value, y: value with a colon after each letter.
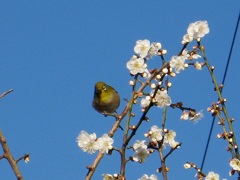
x: 104, y: 88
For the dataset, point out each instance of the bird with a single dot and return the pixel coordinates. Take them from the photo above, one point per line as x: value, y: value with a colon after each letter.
x: 106, y: 99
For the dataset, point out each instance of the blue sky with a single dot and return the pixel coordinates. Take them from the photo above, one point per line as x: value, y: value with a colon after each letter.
x: 53, y: 52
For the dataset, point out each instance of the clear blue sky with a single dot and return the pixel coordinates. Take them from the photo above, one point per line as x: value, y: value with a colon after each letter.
x: 53, y: 51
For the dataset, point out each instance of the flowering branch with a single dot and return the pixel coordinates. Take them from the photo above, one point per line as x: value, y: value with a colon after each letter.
x: 159, y: 139
x: 200, y: 174
x: 233, y: 141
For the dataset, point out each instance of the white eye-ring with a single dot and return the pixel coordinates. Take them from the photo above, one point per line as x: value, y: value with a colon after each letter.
x: 104, y: 88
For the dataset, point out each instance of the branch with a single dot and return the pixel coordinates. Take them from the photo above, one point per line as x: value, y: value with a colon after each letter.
x: 217, y: 88
x: 5, y: 93
x: 7, y: 154
x: 92, y: 168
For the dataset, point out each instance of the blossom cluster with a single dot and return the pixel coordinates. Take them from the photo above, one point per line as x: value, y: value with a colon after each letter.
x: 196, y: 30
x: 157, y: 138
x: 178, y: 63
x: 90, y: 143
x: 144, y: 50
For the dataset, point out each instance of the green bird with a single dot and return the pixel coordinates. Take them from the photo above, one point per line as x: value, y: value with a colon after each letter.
x: 106, y: 99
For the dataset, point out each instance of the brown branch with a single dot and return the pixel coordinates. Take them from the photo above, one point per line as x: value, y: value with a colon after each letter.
x: 5, y: 93
x: 7, y: 154
x: 92, y: 168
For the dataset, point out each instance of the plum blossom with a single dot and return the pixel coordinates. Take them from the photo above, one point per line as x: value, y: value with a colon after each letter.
x: 162, y: 99
x: 140, y: 155
x: 136, y: 65
x: 187, y: 38
x: 146, y: 177
x: 169, y: 138
x: 155, y: 134
x: 142, y: 47
x: 197, y: 116
x: 87, y: 142
x: 235, y: 164
x: 105, y: 143
x: 145, y: 49
x: 177, y: 63
x: 140, y: 144
x: 154, y: 48
x: 145, y: 101
x: 198, y: 29
x: 212, y: 176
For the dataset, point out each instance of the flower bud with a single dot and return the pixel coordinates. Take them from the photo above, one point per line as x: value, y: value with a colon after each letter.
x: 165, y: 70
x: 187, y: 166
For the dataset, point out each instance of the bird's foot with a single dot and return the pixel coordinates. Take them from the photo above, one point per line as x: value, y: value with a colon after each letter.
x: 111, y: 114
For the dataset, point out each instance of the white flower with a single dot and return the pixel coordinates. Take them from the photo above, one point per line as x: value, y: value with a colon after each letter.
x: 185, y: 115
x: 107, y: 177
x: 212, y: 176
x: 169, y: 138
x: 145, y: 101
x: 87, y: 142
x: 146, y: 177
x: 174, y: 144
x: 198, y: 29
x: 142, y: 47
x: 140, y: 155
x: 155, y: 134
x: 105, y: 143
x: 185, y: 54
x: 177, y: 63
x: 154, y: 48
x: 162, y: 99
x: 140, y: 144
x: 187, y: 38
x: 136, y: 65
x: 197, y: 116
x: 195, y: 56
x: 235, y: 164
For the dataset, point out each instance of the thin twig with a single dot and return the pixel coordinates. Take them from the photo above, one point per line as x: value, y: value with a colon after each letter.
x: 5, y: 93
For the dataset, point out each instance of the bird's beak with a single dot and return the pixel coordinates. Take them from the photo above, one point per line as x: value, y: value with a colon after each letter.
x: 96, y: 91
